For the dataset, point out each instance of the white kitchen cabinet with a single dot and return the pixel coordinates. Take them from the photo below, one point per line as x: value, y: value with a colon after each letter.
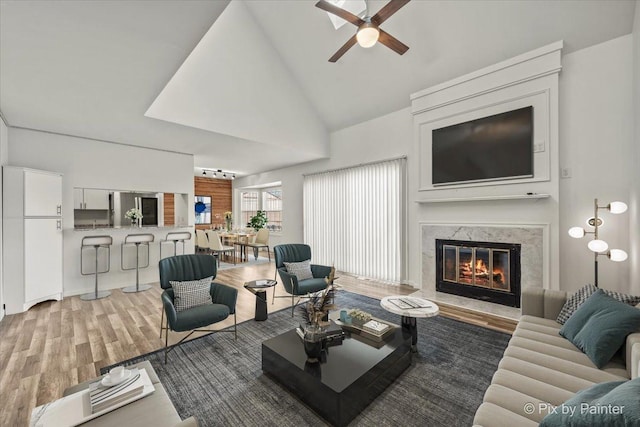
x: 78, y: 198
x: 96, y: 199
x: 32, y: 237
x: 89, y: 198
x: 42, y: 193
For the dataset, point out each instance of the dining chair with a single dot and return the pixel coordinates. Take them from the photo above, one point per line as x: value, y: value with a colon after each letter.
x: 260, y: 241
x: 202, y: 243
x: 217, y: 248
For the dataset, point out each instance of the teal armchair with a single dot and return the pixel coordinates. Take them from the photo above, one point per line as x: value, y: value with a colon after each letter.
x: 194, y: 267
x: 297, y: 252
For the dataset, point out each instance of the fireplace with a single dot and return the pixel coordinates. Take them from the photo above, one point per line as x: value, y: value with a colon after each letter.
x: 482, y: 270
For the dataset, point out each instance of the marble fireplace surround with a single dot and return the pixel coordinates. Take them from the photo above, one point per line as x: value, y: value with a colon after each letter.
x: 534, y: 258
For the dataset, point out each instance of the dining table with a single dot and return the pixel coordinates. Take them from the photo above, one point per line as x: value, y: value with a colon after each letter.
x: 239, y: 239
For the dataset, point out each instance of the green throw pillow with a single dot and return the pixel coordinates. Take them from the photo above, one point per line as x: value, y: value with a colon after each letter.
x: 606, y: 404
x: 600, y: 326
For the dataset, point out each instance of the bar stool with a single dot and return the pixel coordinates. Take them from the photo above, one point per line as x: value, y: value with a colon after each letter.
x: 137, y: 240
x: 97, y: 242
x: 175, y: 237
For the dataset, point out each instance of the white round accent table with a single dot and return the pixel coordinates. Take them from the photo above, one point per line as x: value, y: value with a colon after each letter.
x: 410, y: 308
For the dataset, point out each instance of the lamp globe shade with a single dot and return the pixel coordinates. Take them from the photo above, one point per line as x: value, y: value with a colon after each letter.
x: 576, y: 232
x: 617, y: 207
x: 367, y: 35
x: 617, y: 255
x: 598, y: 245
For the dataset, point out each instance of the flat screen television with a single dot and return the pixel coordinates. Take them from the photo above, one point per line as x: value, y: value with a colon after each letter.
x: 488, y: 149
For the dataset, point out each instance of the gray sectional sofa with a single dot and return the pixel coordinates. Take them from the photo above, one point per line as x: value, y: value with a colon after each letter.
x: 540, y: 367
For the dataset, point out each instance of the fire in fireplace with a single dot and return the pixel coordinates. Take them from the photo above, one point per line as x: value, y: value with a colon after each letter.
x: 482, y: 270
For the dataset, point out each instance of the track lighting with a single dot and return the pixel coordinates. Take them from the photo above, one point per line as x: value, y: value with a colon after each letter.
x: 215, y: 173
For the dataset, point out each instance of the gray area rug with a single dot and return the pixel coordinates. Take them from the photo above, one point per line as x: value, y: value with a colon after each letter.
x: 220, y: 381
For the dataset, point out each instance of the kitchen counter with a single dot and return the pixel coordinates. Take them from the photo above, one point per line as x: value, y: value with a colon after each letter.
x: 104, y: 227
x: 120, y: 259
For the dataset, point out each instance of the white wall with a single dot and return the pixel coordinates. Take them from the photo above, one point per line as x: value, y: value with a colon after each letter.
x: 596, y: 116
x: 383, y: 138
x: 634, y: 205
x: 96, y: 164
x: 4, y: 159
x: 259, y: 103
x: 595, y: 128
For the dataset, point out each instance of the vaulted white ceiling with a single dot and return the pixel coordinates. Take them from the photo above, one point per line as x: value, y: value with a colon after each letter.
x: 259, y: 93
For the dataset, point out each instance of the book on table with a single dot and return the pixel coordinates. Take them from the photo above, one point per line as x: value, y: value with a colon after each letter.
x: 92, y: 402
x: 375, y: 327
x: 102, y: 397
x: 262, y: 283
x: 376, y: 332
x: 332, y: 330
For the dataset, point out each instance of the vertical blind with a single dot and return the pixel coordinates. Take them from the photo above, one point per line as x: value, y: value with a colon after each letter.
x: 353, y: 219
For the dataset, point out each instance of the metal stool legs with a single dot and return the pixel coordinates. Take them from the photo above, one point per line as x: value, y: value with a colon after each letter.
x: 138, y: 287
x: 95, y: 294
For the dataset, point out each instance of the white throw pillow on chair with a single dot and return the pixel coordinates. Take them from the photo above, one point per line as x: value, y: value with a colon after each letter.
x: 192, y: 293
x: 302, y: 270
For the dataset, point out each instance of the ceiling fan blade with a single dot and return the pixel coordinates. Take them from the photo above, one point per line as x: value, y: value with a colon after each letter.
x: 339, y: 12
x: 345, y: 47
x: 389, y: 9
x: 392, y: 43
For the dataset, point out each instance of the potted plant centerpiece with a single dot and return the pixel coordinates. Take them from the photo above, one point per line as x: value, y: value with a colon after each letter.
x: 134, y: 215
x: 228, y: 219
x: 315, y: 313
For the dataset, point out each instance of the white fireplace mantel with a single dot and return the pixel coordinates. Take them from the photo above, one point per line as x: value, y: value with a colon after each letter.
x: 488, y: 198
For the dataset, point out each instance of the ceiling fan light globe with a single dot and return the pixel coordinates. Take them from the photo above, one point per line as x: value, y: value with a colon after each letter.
x: 367, y: 35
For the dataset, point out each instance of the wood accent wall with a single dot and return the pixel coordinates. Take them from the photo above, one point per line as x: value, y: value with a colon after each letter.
x: 169, y: 209
x: 220, y: 192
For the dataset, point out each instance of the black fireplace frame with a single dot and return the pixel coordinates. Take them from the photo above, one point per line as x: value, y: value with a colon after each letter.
x: 510, y: 298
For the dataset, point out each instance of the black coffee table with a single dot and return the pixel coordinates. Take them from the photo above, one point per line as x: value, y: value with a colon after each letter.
x: 352, y: 376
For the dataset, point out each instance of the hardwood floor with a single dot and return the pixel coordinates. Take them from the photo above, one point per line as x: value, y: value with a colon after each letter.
x: 58, y: 344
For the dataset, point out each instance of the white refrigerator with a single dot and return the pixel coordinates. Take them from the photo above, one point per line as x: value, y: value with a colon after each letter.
x: 33, y: 237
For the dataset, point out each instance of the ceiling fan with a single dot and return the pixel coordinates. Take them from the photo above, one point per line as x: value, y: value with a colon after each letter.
x: 369, y: 31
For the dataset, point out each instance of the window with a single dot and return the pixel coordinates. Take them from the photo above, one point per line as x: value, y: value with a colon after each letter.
x: 353, y: 219
x: 203, y: 209
x: 272, y: 205
x: 248, y: 206
x: 268, y: 200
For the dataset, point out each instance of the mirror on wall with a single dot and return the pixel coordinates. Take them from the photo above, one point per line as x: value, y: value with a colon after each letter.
x: 104, y: 208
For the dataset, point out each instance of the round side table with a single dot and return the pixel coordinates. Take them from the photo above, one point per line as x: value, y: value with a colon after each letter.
x: 259, y: 289
x: 410, y: 308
